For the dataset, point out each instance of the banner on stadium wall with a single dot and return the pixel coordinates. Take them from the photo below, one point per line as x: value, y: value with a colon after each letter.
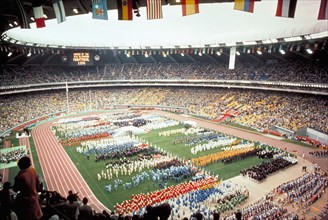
x: 232, y: 58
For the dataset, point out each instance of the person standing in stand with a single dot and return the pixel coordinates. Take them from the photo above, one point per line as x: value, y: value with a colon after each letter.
x: 27, y: 185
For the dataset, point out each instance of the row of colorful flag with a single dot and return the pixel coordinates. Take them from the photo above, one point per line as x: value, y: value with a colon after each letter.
x: 285, y: 8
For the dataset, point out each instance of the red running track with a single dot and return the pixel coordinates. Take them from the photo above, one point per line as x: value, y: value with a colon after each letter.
x: 25, y: 141
x: 60, y: 174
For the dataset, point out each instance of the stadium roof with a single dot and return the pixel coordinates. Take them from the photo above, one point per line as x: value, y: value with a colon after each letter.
x: 217, y: 23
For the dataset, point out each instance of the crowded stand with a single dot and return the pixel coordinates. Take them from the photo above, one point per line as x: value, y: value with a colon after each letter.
x: 296, y: 71
x: 258, y: 110
x: 12, y: 155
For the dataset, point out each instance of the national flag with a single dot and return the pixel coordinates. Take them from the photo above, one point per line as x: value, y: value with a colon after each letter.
x: 244, y: 5
x: 323, y: 11
x: 189, y: 7
x: 38, y: 16
x: 154, y: 9
x: 99, y: 9
x: 59, y: 10
x: 286, y: 8
x: 124, y: 9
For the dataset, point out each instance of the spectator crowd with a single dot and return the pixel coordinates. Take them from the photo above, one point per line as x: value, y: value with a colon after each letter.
x: 292, y: 71
x: 259, y: 110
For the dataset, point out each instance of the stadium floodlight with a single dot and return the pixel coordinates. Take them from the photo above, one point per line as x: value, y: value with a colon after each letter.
x: 15, y: 22
x: 9, y: 54
x: 319, y: 35
x: 75, y: 10
x: 238, y: 53
x: 231, y: 44
x: 11, y: 25
x: 249, y: 43
x: 290, y: 39
x: 309, y: 51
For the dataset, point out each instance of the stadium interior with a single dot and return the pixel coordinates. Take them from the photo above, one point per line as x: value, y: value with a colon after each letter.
x: 272, y: 85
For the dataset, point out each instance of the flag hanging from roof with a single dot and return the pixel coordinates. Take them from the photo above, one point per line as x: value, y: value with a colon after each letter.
x: 99, y: 9
x: 286, y: 8
x: 154, y: 9
x: 59, y: 10
x: 38, y: 16
x: 323, y: 11
x: 244, y: 5
x: 124, y: 8
x: 189, y: 7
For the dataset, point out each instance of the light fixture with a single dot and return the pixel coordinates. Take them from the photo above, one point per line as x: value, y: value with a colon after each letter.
x: 146, y: 54
x: 75, y: 10
x: 45, y: 16
x: 200, y: 54
x: 15, y: 23
x: 32, y: 18
x: 218, y: 53
x: 249, y: 43
x: 182, y: 54
x: 9, y: 54
x: 11, y: 25
x: 238, y: 53
x: 309, y: 51
x: 29, y: 54
x: 259, y: 52
x: 282, y: 51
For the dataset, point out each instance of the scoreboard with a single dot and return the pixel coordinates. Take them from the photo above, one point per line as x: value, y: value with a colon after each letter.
x: 82, y: 59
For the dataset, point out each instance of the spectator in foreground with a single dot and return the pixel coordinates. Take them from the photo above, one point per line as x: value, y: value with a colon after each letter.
x: 6, y: 202
x: 85, y: 210
x: 27, y: 184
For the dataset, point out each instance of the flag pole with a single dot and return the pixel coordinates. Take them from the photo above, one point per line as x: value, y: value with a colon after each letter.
x: 89, y: 99
x: 67, y: 103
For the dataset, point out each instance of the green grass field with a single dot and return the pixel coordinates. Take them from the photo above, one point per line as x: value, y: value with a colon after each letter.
x: 89, y: 168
